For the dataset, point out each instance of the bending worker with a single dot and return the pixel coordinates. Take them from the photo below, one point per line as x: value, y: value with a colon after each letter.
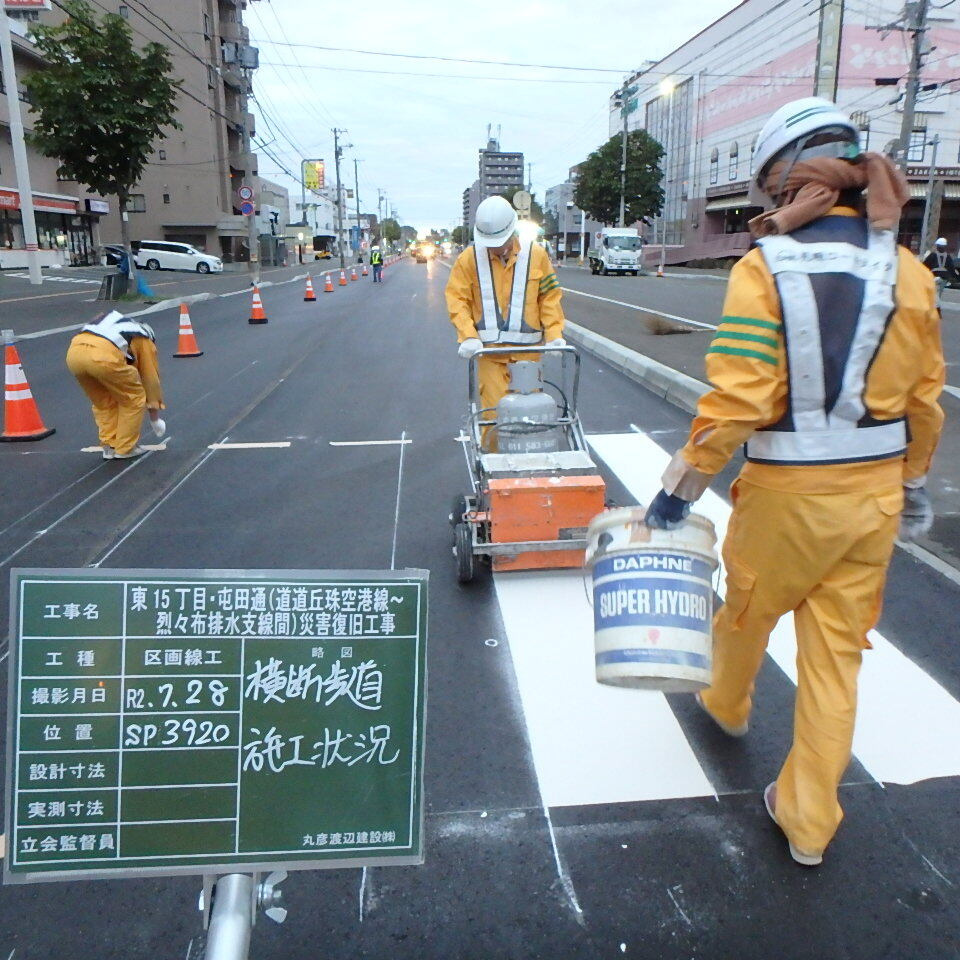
x: 502, y: 292
x: 828, y: 365
x: 115, y: 362
x: 376, y: 261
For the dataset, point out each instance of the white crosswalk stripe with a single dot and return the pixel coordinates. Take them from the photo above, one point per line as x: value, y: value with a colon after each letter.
x: 595, y: 744
x: 86, y: 280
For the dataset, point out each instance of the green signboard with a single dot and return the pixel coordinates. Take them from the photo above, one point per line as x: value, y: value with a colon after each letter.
x: 198, y: 721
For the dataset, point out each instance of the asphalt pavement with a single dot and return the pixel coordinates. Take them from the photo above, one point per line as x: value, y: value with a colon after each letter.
x: 672, y: 319
x: 564, y: 819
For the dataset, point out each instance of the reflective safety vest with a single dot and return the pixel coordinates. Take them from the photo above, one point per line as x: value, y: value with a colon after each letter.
x: 836, y: 299
x: 493, y: 327
x: 120, y: 330
x: 376, y: 257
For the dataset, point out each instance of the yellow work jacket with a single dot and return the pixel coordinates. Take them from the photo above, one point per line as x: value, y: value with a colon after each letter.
x: 747, y: 366
x: 542, y: 310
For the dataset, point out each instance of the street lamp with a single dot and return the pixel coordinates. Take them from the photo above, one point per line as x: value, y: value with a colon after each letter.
x: 667, y: 86
x: 566, y: 216
x: 300, y: 242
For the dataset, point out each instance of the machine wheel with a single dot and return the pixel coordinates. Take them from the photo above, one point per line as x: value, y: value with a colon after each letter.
x: 605, y: 272
x: 457, y: 509
x: 636, y: 273
x: 153, y: 264
x: 463, y: 549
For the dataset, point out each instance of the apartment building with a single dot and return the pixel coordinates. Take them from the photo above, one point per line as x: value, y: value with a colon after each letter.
x: 499, y: 172
x: 706, y: 101
x: 189, y: 189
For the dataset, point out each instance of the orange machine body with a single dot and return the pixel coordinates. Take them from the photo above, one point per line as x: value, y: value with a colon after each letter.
x: 540, y: 509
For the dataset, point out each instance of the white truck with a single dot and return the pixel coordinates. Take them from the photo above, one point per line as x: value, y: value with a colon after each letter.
x: 618, y: 250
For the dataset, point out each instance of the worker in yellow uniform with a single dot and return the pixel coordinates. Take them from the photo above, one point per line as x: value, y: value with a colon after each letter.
x: 502, y: 292
x: 115, y: 362
x: 828, y: 366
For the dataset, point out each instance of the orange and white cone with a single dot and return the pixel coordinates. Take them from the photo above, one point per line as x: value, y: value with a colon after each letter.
x: 328, y: 286
x: 364, y: 270
x: 660, y: 270
x: 353, y: 274
x: 343, y: 279
x: 21, y: 418
x: 256, y: 310
x: 187, y: 343
x: 308, y: 293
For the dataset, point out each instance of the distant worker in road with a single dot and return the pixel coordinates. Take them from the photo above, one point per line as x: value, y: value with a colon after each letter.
x: 502, y: 292
x: 828, y: 365
x: 115, y: 362
x: 940, y: 263
x: 376, y: 261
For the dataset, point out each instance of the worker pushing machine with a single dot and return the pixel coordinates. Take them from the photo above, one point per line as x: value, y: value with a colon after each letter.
x: 828, y: 365
x: 502, y: 291
x: 115, y: 362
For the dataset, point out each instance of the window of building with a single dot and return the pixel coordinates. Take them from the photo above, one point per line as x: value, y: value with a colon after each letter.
x: 734, y: 160
x: 137, y: 203
x: 162, y: 154
x: 124, y: 11
x: 166, y: 198
x: 211, y: 76
x: 206, y: 26
x: 918, y: 145
x: 714, y: 165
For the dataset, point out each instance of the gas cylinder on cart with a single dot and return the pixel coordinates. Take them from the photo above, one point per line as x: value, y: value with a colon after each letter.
x: 527, y: 416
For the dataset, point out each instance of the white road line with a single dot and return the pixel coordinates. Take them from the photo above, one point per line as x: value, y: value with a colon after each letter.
x: 633, y: 306
x: 906, y: 721
x: 953, y: 391
x: 370, y: 443
x: 590, y: 743
x: 269, y: 445
x: 396, y: 513
x: 50, y: 499
x: 146, y: 446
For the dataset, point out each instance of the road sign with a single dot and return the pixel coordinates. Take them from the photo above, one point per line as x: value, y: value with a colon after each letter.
x: 198, y: 721
x: 522, y: 201
x: 247, y: 208
x: 245, y: 193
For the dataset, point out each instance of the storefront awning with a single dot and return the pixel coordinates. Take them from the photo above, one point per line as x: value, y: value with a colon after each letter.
x: 728, y: 203
x: 951, y: 191
x: 10, y: 200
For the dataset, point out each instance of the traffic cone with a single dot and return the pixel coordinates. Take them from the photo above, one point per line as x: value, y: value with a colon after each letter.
x: 353, y: 274
x: 187, y: 344
x: 364, y: 271
x: 660, y: 270
x: 256, y: 310
x: 328, y: 286
x: 343, y: 279
x: 309, y: 294
x: 21, y: 418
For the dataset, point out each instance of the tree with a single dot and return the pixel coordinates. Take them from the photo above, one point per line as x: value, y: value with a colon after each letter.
x: 99, y: 104
x: 391, y: 230
x: 597, y: 192
x: 551, y: 226
x: 459, y: 236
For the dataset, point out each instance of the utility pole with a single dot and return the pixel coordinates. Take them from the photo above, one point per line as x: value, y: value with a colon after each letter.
x: 24, y: 187
x: 380, y: 215
x: 337, y: 151
x: 828, y: 49
x: 356, y: 196
x: 253, y: 237
x: 929, y: 227
x: 530, y: 178
x: 915, y: 17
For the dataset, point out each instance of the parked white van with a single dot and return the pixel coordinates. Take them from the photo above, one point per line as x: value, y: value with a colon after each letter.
x: 167, y: 255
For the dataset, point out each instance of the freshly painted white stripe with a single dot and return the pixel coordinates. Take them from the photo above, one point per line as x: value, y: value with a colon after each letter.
x: 370, y: 443
x: 591, y: 743
x: 271, y: 445
x: 634, y: 306
x: 953, y: 391
x: 146, y: 446
x: 906, y: 721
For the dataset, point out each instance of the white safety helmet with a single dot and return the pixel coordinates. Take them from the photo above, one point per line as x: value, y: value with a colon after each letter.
x: 495, y: 222
x: 800, y: 130
x: 941, y: 241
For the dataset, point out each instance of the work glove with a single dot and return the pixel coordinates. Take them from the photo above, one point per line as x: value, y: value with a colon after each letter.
x: 158, y: 426
x: 667, y: 512
x: 917, y: 517
x: 559, y: 342
x: 469, y: 347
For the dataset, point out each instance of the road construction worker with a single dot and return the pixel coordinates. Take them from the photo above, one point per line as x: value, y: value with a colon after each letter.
x: 376, y: 261
x: 940, y: 263
x: 828, y: 365
x: 115, y: 362
x: 502, y: 292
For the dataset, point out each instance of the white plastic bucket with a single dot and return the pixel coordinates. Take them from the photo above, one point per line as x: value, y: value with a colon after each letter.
x: 652, y: 601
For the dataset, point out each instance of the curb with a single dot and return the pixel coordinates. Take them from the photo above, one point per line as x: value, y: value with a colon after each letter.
x: 673, y: 386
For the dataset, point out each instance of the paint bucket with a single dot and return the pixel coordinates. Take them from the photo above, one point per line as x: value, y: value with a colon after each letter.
x: 652, y: 601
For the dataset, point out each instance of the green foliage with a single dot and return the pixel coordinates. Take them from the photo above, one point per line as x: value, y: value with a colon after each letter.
x: 550, y: 225
x: 598, y: 189
x: 536, y: 211
x: 459, y: 236
x: 99, y: 103
x: 391, y: 230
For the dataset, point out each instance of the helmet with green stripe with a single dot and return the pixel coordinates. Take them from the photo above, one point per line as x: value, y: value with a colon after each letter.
x: 800, y: 130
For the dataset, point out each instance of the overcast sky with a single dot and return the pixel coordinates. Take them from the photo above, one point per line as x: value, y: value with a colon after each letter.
x: 417, y: 136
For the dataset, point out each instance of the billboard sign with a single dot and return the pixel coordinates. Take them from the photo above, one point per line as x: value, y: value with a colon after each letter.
x: 313, y: 174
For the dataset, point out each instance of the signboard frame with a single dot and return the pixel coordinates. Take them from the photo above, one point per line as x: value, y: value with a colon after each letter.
x: 210, y: 866
x: 317, y: 181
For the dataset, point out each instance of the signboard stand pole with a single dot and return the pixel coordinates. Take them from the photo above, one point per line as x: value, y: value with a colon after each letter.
x: 231, y: 918
x: 19, y: 149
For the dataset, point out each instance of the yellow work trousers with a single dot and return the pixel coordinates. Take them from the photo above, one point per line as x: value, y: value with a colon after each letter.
x: 825, y: 558
x: 493, y: 380
x: 114, y: 389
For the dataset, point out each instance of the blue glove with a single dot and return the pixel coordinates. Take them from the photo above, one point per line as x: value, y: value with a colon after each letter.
x: 667, y: 512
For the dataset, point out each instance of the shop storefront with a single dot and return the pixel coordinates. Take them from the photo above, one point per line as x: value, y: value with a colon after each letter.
x: 65, y: 230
